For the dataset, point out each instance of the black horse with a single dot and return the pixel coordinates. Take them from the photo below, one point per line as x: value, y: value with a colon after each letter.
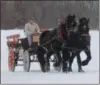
x: 51, y: 42
x: 78, y: 41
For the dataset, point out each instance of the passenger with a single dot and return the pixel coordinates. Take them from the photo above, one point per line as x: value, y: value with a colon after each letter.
x: 31, y: 28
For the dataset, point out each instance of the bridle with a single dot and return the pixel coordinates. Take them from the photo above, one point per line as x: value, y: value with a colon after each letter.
x: 85, y: 34
x: 69, y: 30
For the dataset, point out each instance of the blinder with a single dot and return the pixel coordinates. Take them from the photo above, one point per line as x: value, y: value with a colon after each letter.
x: 85, y: 37
x: 85, y: 34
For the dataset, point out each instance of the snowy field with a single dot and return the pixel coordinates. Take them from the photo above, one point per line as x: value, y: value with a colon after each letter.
x: 35, y: 76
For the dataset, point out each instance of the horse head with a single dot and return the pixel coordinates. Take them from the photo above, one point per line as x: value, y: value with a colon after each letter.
x: 83, y: 28
x: 68, y: 26
x: 70, y: 23
x: 83, y: 25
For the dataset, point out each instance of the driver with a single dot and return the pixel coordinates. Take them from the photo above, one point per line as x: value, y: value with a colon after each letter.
x: 31, y: 28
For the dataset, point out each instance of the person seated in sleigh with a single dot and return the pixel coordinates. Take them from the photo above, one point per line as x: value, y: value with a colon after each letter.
x: 31, y: 28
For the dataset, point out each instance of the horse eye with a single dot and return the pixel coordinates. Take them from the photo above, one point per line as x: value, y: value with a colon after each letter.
x: 72, y: 23
x: 84, y: 26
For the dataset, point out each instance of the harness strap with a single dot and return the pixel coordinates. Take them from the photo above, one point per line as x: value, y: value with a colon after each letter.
x: 60, y: 36
x: 76, y: 49
x: 48, y: 41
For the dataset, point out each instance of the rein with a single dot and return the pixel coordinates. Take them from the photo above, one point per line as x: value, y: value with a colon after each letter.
x: 85, y: 34
x: 48, y: 41
x: 73, y: 48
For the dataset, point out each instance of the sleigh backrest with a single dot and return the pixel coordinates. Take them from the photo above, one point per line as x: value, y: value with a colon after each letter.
x: 36, y: 36
x: 13, y: 38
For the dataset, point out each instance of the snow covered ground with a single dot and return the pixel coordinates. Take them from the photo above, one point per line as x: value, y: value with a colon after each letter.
x: 35, y: 76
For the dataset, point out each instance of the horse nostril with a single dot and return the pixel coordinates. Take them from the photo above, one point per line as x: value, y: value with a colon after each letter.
x: 71, y: 31
x: 84, y: 38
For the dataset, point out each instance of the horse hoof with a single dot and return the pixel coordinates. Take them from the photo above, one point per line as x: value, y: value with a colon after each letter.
x: 43, y: 70
x: 84, y: 63
x: 69, y: 69
x: 47, y: 69
x: 57, y: 68
x: 81, y: 70
x: 65, y: 70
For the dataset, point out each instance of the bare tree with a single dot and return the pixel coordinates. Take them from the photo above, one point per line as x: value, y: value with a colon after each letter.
x: 46, y: 13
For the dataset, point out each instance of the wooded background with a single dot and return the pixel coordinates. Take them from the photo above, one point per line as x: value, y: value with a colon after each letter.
x: 16, y: 13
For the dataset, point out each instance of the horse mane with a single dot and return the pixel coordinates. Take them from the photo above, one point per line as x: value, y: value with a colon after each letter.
x: 61, y: 29
x: 43, y: 34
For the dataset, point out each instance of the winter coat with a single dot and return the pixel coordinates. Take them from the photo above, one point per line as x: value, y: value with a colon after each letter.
x: 31, y: 28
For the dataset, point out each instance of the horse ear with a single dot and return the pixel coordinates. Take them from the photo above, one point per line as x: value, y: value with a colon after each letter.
x: 79, y: 19
x: 69, y: 15
x: 74, y: 16
x: 88, y: 20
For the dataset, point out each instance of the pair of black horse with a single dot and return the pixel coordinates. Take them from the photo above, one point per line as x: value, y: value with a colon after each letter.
x: 69, y: 39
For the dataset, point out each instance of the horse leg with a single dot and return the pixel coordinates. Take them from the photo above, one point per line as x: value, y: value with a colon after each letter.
x: 66, y: 57
x: 71, y: 61
x: 41, y: 59
x: 79, y: 62
x: 88, y: 53
x: 47, y: 65
x: 57, y: 64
